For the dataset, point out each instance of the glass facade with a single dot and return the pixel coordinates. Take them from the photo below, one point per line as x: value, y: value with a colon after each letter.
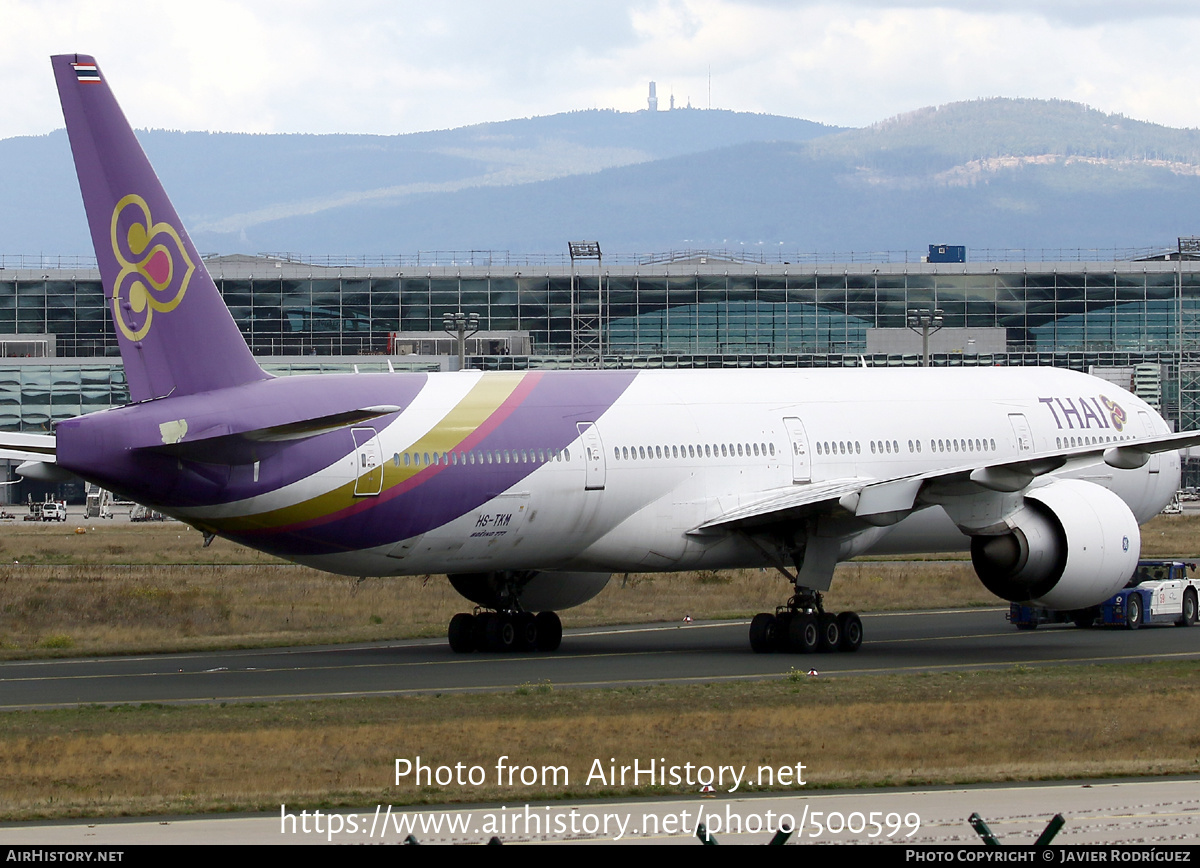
x: 730, y: 308
x: 697, y: 313
x: 34, y: 395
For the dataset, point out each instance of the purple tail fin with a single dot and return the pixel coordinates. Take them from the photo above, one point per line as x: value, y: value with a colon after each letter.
x: 177, y: 337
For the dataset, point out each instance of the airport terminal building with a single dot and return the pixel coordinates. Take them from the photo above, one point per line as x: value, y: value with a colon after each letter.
x: 1134, y: 320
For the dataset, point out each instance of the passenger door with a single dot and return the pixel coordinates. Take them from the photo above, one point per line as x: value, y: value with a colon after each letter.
x: 368, y: 462
x: 801, y: 466
x: 593, y: 456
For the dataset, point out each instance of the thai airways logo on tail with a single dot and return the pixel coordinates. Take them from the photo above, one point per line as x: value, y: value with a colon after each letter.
x: 155, y: 267
x: 177, y: 337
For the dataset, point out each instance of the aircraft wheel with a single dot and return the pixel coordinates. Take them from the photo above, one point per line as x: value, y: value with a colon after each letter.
x: 462, y: 633
x: 525, y: 624
x: 501, y: 633
x: 482, y: 620
x: 1030, y: 625
x: 762, y: 629
x: 852, y: 631
x: 1189, y: 609
x: 803, y: 634
x: 1133, y: 612
x: 781, y: 632
x: 1084, y: 618
x: 549, y: 631
x: 830, y: 633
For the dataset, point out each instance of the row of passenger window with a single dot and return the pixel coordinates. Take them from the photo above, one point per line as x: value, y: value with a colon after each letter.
x: 691, y: 450
x: 977, y: 445
x: 711, y: 450
x: 480, y: 456
x: 892, y: 447
x: 1068, y: 442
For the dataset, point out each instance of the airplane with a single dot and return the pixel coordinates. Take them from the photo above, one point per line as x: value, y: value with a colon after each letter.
x: 529, y: 489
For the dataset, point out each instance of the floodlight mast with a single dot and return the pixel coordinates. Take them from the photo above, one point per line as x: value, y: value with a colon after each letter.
x: 461, y: 326
x: 926, y: 322
x: 587, y: 313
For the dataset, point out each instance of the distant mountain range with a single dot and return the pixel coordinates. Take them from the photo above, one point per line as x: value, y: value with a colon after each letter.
x: 994, y: 173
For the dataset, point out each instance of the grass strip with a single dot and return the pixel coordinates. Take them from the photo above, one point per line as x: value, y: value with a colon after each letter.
x: 1019, y: 724
x: 127, y: 588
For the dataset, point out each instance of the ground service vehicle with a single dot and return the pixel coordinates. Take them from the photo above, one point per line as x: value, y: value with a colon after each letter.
x: 1159, y: 592
x: 48, y: 510
x: 54, y: 511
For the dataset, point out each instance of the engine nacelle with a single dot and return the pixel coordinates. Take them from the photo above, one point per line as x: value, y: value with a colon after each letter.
x: 1072, y: 545
x: 537, y: 592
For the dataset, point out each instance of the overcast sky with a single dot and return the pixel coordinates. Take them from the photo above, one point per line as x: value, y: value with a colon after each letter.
x: 395, y: 66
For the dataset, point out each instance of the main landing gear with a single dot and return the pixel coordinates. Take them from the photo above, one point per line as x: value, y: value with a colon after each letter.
x: 505, y: 631
x: 804, y: 626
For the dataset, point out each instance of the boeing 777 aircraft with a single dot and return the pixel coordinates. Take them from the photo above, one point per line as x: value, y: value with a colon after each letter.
x: 528, y: 489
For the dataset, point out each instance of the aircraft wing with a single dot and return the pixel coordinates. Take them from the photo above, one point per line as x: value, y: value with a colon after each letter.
x: 792, y: 501
x: 868, y: 497
x: 15, y: 446
x: 37, y: 454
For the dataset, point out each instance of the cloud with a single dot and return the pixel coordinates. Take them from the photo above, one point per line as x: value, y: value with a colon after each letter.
x: 388, y: 67
x: 1070, y: 13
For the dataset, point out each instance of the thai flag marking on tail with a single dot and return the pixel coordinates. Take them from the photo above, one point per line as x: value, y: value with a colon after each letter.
x: 86, y: 72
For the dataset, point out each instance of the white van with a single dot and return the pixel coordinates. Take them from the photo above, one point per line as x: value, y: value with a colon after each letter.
x: 54, y: 511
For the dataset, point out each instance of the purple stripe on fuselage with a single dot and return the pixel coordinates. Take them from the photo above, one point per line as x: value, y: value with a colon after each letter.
x: 544, y: 417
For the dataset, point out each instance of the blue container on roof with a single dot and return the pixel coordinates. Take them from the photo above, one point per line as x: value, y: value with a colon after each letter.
x: 947, y: 253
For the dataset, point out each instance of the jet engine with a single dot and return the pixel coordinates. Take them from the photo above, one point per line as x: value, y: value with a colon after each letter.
x: 536, y: 592
x: 1073, y: 544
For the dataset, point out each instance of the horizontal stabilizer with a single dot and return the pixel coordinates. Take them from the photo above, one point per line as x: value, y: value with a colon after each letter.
x: 318, y: 425
x: 220, y: 446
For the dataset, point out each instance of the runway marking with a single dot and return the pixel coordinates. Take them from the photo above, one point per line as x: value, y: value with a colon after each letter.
x: 420, y: 643
x: 793, y: 662
x: 242, y: 652
x: 621, y: 682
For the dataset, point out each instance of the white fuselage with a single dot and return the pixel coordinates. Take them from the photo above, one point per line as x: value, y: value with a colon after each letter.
x: 678, y: 449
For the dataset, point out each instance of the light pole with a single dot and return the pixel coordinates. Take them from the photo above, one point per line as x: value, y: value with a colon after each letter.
x: 926, y: 322
x: 461, y: 326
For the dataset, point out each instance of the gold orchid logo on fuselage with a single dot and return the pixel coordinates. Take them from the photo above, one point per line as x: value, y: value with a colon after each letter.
x: 155, y: 267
